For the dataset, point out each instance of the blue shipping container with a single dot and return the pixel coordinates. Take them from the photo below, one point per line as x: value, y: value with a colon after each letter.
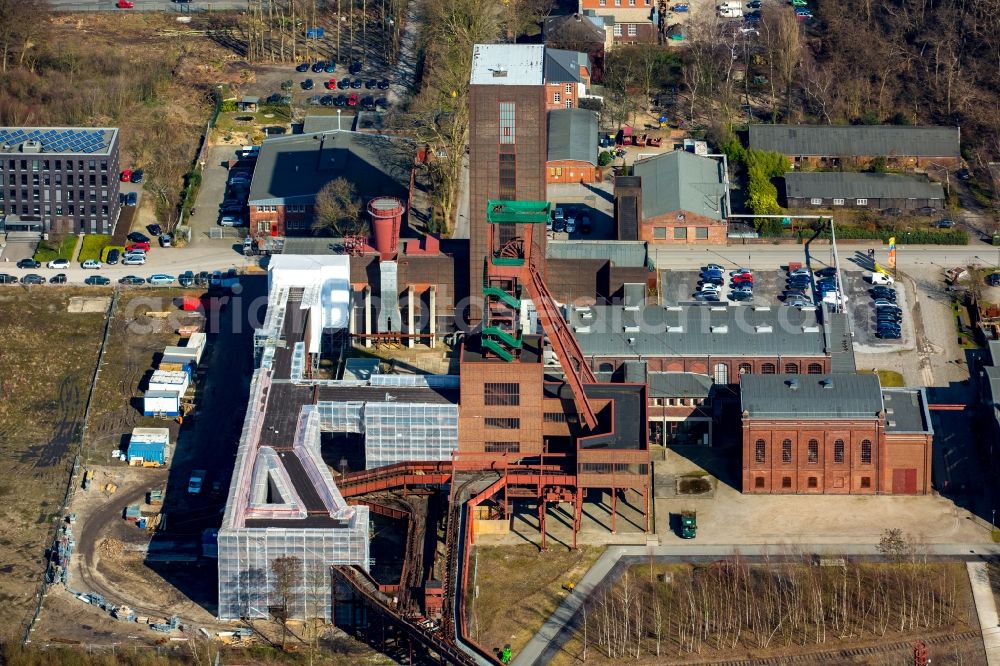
x: 148, y: 451
x: 315, y: 33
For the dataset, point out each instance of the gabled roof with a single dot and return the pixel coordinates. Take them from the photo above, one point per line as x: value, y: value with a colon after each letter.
x: 508, y: 65
x: 563, y: 66
x: 845, y: 396
x: 579, y: 28
x: 292, y: 169
x: 682, y: 181
x: 573, y: 135
x: 679, y: 385
x: 848, y: 185
x: 856, y: 140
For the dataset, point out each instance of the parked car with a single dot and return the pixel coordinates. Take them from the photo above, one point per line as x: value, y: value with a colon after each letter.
x: 126, y: 175
x: 330, y: 68
x: 186, y: 279
x: 716, y: 280
x: 32, y: 278
x: 340, y: 101
x: 712, y: 267
x: 137, y: 247
x: 926, y: 210
x: 131, y: 199
x: 383, y: 84
x: 137, y: 176
x: 161, y: 278
x: 883, y: 293
x: 29, y: 263
x: 881, y: 278
x: 371, y: 84
x: 97, y: 280
x: 754, y: 4
x: 229, y: 221
x: 201, y: 278
x: 801, y: 271
x: 893, y: 212
x: 354, y: 68
x: 131, y: 280
x: 58, y: 278
x: 352, y: 99
x: 154, y: 229
x: 307, y: 84
x: 571, y: 224
x: 798, y: 303
x: 357, y: 83
x: 585, y: 227
x: 368, y: 103
x: 165, y: 240
x: 7, y: 278
x: 743, y: 278
x: 326, y: 100
x: 113, y: 257
x: 304, y: 67
x: 708, y: 296
x: 138, y: 237
x: 680, y: 9
x: 740, y: 295
x: 993, y: 279
x: 708, y: 286
x: 125, y: 4
x: 91, y: 264
x: 889, y: 333
x: 945, y: 223
x: 134, y: 260
x: 963, y: 174
x: 318, y: 67
x: 344, y: 83
x: 829, y: 271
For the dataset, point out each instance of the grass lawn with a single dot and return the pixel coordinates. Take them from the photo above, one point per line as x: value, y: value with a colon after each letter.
x: 519, y: 587
x: 49, y: 250
x: 93, y: 245
x: 889, y: 378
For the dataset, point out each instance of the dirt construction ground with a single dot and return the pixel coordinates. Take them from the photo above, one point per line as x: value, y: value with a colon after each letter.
x: 46, y: 363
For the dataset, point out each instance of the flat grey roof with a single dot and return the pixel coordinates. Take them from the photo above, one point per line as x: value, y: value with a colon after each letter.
x: 847, y: 185
x: 679, y: 385
x: 292, y: 169
x: 856, y: 140
x: 28, y: 141
x: 630, y: 254
x: 682, y: 181
x: 694, y: 330
x: 843, y: 396
x: 508, y: 65
x: 573, y: 135
x: 906, y: 411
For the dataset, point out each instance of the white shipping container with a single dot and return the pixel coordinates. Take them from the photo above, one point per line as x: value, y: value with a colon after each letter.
x: 176, y: 381
x: 161, y: 402
x: 197, y: 341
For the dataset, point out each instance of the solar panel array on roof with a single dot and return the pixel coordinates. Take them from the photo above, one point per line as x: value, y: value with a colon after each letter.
x: 56, y: 140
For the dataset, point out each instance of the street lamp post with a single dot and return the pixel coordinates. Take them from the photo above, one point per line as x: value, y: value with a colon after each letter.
x: 338, y: 119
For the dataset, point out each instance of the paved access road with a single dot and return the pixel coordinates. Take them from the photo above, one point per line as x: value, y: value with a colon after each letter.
x: 547, y: 642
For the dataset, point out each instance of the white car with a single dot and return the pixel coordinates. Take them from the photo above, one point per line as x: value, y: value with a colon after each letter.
x: 134, y: 260
x: 882, y: 278
x: 708, y: 286
x: 58, y: 263
x: 91, y: 263
x: 160, y: 278
x: 800, y: 271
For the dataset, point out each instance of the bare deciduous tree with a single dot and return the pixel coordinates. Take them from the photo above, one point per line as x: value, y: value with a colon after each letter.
x: 338, y: 210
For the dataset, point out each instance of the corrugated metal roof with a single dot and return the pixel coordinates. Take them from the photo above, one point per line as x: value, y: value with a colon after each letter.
x: 654, y: 330
x: 508, y: 65
x: 292, y: 169
x: 681, y: 181
x: 841, y: 347
x: 573, y: 135
x: 562, y: 66
x: 856, y: 140
x: 811, y: 396
x: 905, y: 410
x: 623, y: 254
x: 847, y: 185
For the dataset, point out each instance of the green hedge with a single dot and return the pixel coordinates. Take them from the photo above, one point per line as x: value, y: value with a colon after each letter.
x: 93, y: 245
x: 952, y: 237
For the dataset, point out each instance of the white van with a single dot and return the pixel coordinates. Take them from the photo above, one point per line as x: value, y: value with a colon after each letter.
x: 730, y: 12
x: 882, y: 278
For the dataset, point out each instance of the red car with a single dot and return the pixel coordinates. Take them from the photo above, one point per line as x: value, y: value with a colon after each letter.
x: 352, y: 99
x: 743, y: 278
x: 137, y: 246
x: 126, y: 175
x: 331, y: 84
x: 125, y: 4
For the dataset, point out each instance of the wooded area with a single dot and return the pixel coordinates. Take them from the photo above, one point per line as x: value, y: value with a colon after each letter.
x: 735, y: 606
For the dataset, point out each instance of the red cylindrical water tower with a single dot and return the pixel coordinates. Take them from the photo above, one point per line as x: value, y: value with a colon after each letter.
x: 387, y: 218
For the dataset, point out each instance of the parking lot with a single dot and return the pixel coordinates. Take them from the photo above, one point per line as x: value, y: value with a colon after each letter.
x: 594, y: 200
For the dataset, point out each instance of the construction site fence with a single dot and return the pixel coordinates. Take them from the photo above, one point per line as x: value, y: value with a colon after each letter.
x: 74, y: 474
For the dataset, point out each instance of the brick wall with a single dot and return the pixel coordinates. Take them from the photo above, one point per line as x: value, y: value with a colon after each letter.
x: 669, y: 229
x: 474, y: 428
x: 570, y: 171
x: 815, y: 365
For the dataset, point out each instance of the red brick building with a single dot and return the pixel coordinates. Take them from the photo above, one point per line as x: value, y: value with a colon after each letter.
x: 567, y: 78
x: 675, y: 198
x: 572, y: 151
x: 630, y: 21
x: 833, y: 434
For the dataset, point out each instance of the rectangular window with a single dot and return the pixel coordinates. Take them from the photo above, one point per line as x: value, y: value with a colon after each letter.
x: 838, y: 202
x: 618, y: 3
x: 866, y: 482
x: 862, y: 202
x: 786, y: 451
x: 618, y: 30
x: 680, y: 233
x: 503, y: 447
x: 507, y: 126
x: 786, y: 482
x: 569, y: 88
x: 838, y: 452
x: 758, y: 482
x: 633, y: 30
x: 816, y: 202
x: 503, y: 423
x: 569, y: 104
x: 557, y: 97
x: 659, y: 233
x: 508, y: 176
x: 506, y: 394
x: 603, y: 3
x: 631, y: 3
x: 813, y: 452
x: 558, y: 417
x: 701, y: 233
x: 760, y: 451
x: 813, y: 482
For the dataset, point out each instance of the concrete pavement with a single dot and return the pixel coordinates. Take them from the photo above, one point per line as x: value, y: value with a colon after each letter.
x: 986, y: 609
x: 557, y: 629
